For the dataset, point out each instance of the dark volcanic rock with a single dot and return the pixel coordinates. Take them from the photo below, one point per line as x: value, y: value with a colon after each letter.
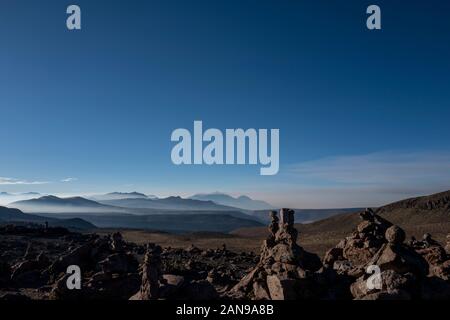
x: 152, y: 277
x: 5, y: 273
x: 404, y: 272
x: 60, y: 290
x: 284, y: 270
x: 447, y: 246
x: 372, y: 263
x: 384, y: 267
x: 359, y: 248
x: 120, y: 263
x: 27, y: 274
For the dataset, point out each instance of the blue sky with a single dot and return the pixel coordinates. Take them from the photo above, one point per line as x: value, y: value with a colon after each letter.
x: 99, y: 105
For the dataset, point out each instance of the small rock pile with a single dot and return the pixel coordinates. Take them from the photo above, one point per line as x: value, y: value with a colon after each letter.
x: 284, y: 270
x: 109, y: 270
x: 152, y: 277
x: 225, y: 267
x: 436, y: 256
x: 359, y: 248
x: 156, y: 285
x: 447, y: 246
x: 401, y: 271
x: 385, y: 267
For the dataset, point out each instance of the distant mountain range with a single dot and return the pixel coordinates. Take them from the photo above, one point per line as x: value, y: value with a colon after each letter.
x: 8, y: 215
x: 170, y: 203
x: 121, y: 196
x: 213, y: 201
x: 131, y: 210
x: 6, y: 197
x: 53, y: 204
x: 172, y: 214
x: 7, y: 194
x: 242, y: 202
x: 175, y: 214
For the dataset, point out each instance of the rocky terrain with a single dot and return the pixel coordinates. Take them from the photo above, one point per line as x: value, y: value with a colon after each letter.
x: 374, y: 262
x: 34, y: 260
x: 416, y: 216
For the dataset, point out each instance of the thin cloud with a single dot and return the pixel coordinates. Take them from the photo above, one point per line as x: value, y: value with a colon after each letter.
x: 362, y: 180
x: 13, y: 181
x: 69, y: 179
x: 385, y: 170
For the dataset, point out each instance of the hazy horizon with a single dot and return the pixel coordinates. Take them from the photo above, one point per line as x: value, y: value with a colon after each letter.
x: 7, y: 200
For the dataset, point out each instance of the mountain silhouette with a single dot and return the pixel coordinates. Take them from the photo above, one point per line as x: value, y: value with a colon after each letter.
x: 170, y: 203
x: 56, y: 204
x: 11, y: 215
x: 242, y: 202
x: 121, y: 195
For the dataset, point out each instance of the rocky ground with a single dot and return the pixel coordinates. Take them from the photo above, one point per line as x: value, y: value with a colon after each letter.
x: 34, y: 261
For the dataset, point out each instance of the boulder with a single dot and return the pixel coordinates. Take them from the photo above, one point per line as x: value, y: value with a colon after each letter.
x: 441, y: 271
x: 281, y: 289
x: 117, y: 287
x: 397, y: 256
x: 120, y: 263
x: 395, y: 235
x: 392, y: 284
x: 80, y: 256
x: 193, y: 249
x: 27, y: 274
x: 434, y: 254
x: 447, y: 246
x: 261, y: 291
x: 60, y: 290
x: 361, y: 246
x: 333, y: 255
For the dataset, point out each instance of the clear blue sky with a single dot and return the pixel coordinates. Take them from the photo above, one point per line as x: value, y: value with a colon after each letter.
x: 363, y: 115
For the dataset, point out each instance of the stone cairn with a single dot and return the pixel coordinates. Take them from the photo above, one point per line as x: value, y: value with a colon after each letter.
x: 437, y: 256
x: 447, y: 246
x: 151, y: 274
x: 156, y: 285
x: 385, y: 267
x: 353, y: 252
x: 401, y: 271
x: 284, y: 267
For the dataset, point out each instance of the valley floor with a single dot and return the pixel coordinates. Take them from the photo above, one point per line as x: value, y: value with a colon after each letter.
x: 311, y: 237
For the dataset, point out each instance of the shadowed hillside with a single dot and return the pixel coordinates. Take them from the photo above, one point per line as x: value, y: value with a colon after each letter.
x: 8, y: 216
